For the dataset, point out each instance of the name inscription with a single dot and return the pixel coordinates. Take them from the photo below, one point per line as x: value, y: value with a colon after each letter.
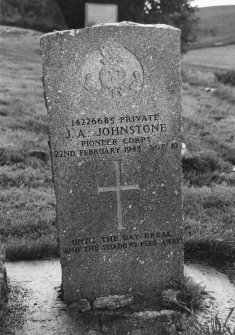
x: 115, y: 135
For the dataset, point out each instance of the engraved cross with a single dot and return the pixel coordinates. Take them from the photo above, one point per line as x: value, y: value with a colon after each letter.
x: 118, y: 188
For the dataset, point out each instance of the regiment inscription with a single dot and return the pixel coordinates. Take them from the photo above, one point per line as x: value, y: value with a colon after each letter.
x: 112, y: 135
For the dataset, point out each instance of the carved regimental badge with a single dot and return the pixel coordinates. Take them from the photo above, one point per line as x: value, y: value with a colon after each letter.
x: 112, y: 72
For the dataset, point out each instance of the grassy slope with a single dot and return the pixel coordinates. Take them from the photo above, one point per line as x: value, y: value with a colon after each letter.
x: 27, y: 197
x: 215, y: 57
x: 216, y: 25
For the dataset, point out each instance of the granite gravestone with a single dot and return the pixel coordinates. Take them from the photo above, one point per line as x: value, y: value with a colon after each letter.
x: 113, y: 95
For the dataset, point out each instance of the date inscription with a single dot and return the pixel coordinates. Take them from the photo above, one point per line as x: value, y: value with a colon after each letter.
x: 115, y: 135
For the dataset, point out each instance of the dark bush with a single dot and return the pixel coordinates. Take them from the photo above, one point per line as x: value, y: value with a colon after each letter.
x: 206, y: 168
x: 214, y: 252
x: 226, y: 77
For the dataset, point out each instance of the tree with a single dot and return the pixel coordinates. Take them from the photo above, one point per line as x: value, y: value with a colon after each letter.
x: 178, y: 13
x: 74, y: 12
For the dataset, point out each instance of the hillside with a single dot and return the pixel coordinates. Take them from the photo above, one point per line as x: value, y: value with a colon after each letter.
x: 217, y: 58
x: 216, y: 26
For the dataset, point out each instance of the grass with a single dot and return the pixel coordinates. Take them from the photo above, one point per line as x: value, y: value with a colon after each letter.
x: 27, y: 218
x: 222, y: 57
x: 216, y: 326
x: 216, y: 25
x: 227, y: 77
x: 208, y: 169
x: 27, y: 197
x: 190, y: 297
x: 208, y: 118
x: 190, y: 300
x: 204, y: 207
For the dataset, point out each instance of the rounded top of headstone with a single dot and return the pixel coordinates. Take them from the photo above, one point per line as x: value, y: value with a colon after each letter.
x: 130, y: 23
x: 73, y: 32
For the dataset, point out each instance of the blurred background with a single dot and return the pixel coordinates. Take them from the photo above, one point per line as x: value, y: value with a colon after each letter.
x: 203, y: 23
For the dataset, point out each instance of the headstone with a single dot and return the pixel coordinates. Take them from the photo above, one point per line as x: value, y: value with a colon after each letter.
x: 96, y: 13
x: 113, y: 95
x: 90, y: 12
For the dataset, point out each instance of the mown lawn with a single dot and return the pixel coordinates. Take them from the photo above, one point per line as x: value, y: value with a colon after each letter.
x: 27, y: 225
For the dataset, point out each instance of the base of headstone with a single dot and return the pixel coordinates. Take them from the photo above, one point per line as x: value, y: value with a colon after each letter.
x: 163, y: 322
x: 113, y: 302
x: 83, y: 305
x: 165, y: 300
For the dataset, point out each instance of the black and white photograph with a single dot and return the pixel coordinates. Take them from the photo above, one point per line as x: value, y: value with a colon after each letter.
x: 117, y: 167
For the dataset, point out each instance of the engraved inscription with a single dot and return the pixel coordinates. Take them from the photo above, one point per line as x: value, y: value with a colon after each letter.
x: 157, y: 239
x: 111, y: 72
x: 112, y: 76
x: 136, y: 83
x: 118, y: 188
x: 115, y: 135
x: 87, y: 82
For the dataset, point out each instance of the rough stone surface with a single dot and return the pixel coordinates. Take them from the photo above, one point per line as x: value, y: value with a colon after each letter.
x: 113, y: 302
x: 163, y: 315
x: 93, y: 332
x: 165, y: 319
x: 113, y: 95
x: 83, y: 305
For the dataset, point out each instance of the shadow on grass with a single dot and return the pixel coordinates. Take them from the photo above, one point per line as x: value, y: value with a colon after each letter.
x: 217, y: 253
x: 32, y: 251
x: 206, y: 168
